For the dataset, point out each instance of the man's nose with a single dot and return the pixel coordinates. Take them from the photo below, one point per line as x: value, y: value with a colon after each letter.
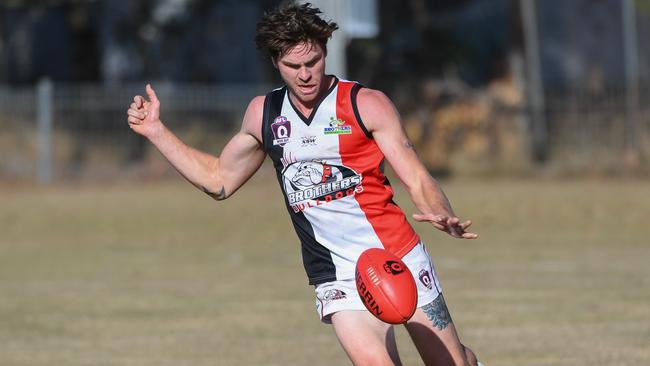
x: 304, y: 74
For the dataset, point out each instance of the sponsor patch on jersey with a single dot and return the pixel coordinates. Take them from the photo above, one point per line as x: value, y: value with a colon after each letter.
x: 313, y: 183
x: 308, y: 141
x: 281, y: 128
x: 337, y: 126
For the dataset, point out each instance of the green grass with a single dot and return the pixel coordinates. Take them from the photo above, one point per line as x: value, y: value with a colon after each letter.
x: 159, y: 274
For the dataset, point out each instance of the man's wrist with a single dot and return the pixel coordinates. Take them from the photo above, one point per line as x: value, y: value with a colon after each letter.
x: 157, y: 132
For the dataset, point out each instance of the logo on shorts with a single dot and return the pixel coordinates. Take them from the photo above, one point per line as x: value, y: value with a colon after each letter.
x: 425, y: 278
x: 281, y: 128
x: 333, y: 294
x: 393, y: 267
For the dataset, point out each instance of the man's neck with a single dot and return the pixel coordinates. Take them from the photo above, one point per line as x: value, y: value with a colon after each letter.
x: 307, y: 108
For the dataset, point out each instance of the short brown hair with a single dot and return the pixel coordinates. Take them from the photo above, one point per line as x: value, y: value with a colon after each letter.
x: 290, y: 24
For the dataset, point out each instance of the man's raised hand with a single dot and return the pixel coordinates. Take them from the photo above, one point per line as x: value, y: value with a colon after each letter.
x: 144, y: 115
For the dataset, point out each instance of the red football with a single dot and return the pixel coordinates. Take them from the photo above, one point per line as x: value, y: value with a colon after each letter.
x: 386, y: 286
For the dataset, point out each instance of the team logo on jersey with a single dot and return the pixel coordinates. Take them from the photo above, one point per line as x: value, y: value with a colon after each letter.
x: 313, y: 183
x: 281, y: 128
x: 337, y: 126
x: 425, y: 278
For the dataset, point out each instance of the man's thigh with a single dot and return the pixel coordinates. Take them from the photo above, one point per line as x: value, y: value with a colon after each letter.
x: 365, y: 339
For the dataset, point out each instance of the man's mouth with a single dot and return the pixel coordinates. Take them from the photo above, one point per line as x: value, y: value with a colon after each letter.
x: 307, y: 89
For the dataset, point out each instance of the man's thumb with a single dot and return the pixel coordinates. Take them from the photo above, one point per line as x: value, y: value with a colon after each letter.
x: 420, y: 217
x: 152, y: 94
x: 429, y: 217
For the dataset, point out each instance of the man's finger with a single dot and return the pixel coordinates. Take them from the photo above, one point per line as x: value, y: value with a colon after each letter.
x: 438, y: 226
x: 452, y: 221
x: 139, y: 101
x: 135, y: 113
x: 465, y: 224
x: 152, y: 94
x: 441, y: 219
x: 470, y: 236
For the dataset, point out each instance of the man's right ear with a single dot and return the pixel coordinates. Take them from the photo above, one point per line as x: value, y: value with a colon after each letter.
x: 274, y: 62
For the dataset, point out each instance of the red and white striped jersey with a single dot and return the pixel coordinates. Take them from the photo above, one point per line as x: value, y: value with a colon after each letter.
x: 331, y: 173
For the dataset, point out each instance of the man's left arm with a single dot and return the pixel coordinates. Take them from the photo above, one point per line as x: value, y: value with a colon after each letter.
x: 384, y: 123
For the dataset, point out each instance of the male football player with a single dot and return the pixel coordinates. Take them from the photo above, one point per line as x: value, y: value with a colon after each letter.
x: 327, y: 139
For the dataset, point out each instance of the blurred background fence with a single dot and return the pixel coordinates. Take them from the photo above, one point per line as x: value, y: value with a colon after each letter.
x: 598, y: 132
x: 492, y: 87
x: 67, y: 131
x: 64, y: 131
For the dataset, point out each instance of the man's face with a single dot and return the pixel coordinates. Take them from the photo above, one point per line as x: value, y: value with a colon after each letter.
x: 303, y: 69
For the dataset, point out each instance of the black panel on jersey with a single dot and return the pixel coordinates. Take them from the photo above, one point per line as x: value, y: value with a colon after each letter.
x: 272, y: 109
x: 353, y: 94
x: 317, y: 259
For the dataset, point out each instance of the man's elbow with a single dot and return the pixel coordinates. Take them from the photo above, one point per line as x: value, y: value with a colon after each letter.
x: 217, y: 194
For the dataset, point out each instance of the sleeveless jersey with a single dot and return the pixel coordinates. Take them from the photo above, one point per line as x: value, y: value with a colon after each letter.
x: 331, y: 173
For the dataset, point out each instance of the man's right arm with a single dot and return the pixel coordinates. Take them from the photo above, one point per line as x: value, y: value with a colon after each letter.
x: 220, y: 176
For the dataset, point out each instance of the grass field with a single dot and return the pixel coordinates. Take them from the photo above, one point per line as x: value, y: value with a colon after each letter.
x: 159, y: 274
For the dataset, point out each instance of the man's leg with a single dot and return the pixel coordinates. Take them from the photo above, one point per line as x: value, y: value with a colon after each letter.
x: 435, y: 337
x: 366, y: 339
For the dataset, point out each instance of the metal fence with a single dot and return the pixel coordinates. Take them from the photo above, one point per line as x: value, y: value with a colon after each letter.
x: 53, y: 132
x: 61, y: 132
x: 18, y: 145
x: 598, y: 132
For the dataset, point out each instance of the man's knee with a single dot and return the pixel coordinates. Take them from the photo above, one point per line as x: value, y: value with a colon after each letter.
x: 471, y: 356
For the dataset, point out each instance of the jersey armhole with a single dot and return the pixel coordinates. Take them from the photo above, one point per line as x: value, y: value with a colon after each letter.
x: 353, y: 96
x: 265, y: 117
x: 272, y: 108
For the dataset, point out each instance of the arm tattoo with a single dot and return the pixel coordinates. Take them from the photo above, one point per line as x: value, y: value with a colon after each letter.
x: 221, y: 195
x: 437, y: 312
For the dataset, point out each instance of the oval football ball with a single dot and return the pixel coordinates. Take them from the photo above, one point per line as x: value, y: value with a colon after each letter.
x: 386, y: 286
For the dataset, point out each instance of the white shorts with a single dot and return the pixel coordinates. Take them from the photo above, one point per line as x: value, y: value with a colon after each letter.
x: 342, y: 294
